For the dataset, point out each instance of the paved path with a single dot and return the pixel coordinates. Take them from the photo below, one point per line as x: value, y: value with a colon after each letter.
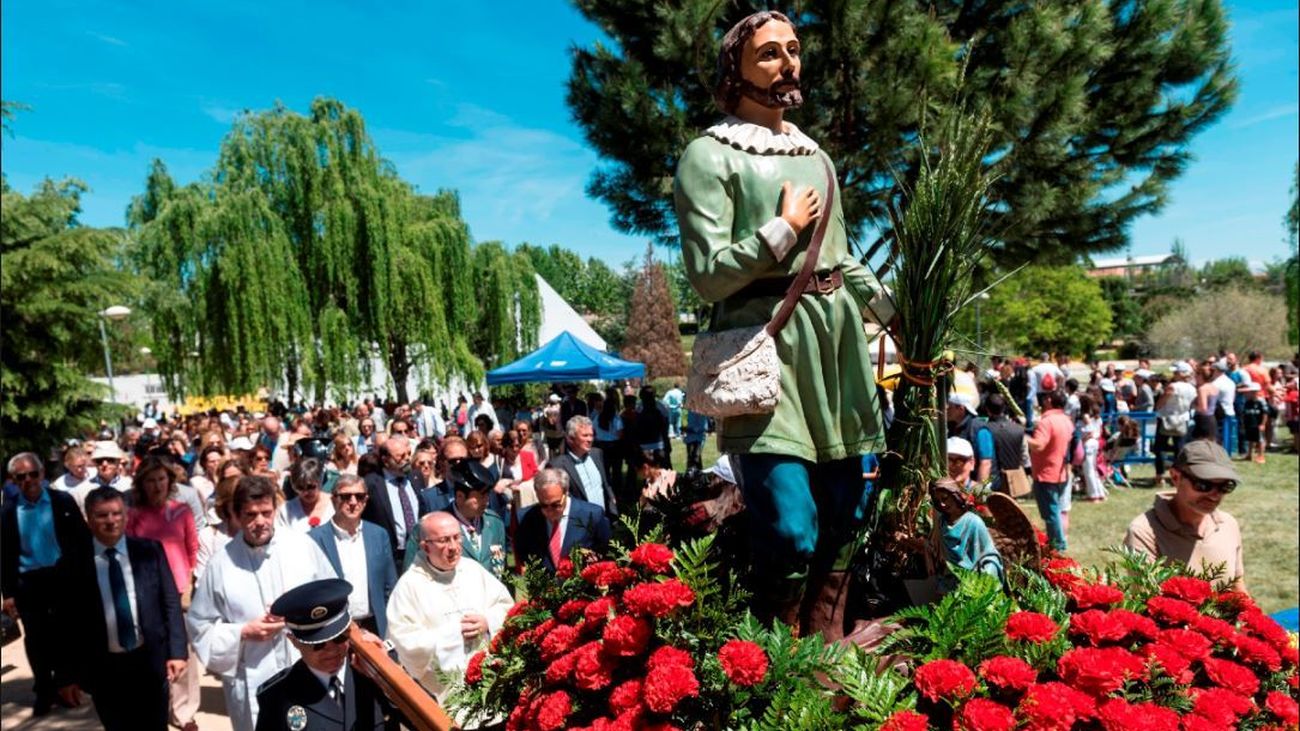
x: 16, y: 699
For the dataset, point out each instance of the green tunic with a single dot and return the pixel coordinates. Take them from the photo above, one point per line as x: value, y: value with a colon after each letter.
x: 828, y: 408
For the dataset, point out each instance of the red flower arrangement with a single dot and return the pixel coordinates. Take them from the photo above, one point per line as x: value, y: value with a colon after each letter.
x: 905, y: 721
x: 1086, y: 596
x: 1031, y: 627
x: 944, y: 680
x: 1189, y: 589
x: 605, y: 650
x: 1099, y: 671
x: 982, y: 714
x: 1008, y: 672
x: 745, y: 663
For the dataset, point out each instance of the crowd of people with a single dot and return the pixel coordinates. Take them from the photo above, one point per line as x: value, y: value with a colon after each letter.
x: 183, y: 531
x: 420, y: 509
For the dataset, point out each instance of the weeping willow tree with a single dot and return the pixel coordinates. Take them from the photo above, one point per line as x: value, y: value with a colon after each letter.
x: 509, y: 304
x: 940, y: 236
x: 351, y: 263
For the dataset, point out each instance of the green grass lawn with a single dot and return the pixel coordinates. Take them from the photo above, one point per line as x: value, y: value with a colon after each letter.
x: 1267, y: 505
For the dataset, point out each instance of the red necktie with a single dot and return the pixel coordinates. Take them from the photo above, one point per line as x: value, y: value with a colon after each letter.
x: 557, y: 539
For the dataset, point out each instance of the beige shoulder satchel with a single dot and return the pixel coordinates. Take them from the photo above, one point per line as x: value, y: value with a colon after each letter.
x: 737, y: 371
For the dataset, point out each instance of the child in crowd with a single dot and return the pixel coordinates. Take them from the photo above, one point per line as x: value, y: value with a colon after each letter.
x: 1256, y: 413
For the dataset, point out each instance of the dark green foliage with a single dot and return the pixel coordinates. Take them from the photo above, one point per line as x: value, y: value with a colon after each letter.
x: 876, y: 689
x: 1125, y: 309
x: 966, y: 624
x: 1092, y: 103
x: 1232, y: 271
x: 343, y: 259
x: 1292, y: 273
x: 57, y: 276
x: 799, y: 700
x: 1048, y: 309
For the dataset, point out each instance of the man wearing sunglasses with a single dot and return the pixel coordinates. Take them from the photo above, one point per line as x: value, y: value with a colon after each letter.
x: 1186, y: 525
x: 359, y: 552
x: 320, y: 691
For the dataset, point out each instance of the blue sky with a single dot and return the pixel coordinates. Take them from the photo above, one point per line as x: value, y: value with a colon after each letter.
x: 471, y: 96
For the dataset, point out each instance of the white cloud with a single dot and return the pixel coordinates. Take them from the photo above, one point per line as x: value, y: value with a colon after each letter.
x: 110, y: 40
x: 1277, y: 112
x: 220, y: 113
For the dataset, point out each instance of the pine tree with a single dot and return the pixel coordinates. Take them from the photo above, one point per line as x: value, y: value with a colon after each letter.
x: 1093, y: 104
x: 57, y: 276
x: 652, y: 335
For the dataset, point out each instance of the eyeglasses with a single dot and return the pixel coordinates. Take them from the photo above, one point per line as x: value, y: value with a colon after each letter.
x: 105, y: 460
x: 444, y: 541
x: 1203, y: 486
x: 424, y: 463
x: 351, y: 497
x: 20, y: 476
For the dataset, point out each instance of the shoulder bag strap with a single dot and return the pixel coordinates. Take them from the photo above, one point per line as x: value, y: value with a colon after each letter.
x: 810, y: 258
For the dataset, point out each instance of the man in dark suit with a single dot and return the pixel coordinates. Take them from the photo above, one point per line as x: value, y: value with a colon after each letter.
x: 359, y: 552
x: 394, y: 504
x: 559, y: 523
x: 121, y: 634
x: 320, y: 692
x: 585, y: 467
x: 40, y: 529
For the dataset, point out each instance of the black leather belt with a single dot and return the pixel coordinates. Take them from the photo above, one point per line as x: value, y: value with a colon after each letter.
x: 819, y: 283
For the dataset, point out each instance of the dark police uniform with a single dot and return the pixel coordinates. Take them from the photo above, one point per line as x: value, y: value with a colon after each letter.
x: 297, y: 699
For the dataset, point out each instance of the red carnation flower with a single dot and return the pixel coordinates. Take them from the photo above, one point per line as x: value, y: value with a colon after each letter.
x: 474, y: 671
x: 668, y: 685
x: 594, y: 669
x: 1266, y: 628
x: 1138, y: 625
x: 654, y: 557
x: 1086, y: 596
x: 1219, y: 631
x: 1009, y: 673
x: 1031, y: 627
x: 1191, y: 645
x: 1194, y: 722
x: 1290, y: 656
x: 905, y: 721
x: 518, y: 719
x: 744, y: 662
x: 537, y: 633
x: 599, y: 611
x: 1174, y: 664
x: 629, y: 720
x: 625, y: 697
x: 1284, y: 707
x: 565, y: 569
x: 944, y: 680
x: 1221, y: 706
x: 553, y: 710
x: 1118, y: 714
x: 1061, y: 572
x: 658, y: 599
x: 1235, y: 601
x: 982, y: 714
x: 558, y: 641
x: 669, y: 655
x: 1253, y: 651
x: 571, y: 610
x: 517, y: 609
x: 1230, y: 675
x: 1171, y: 611
x: 606, y: 574
x: 1098, y: 627
x: 1189, y: 589
x: 1099, y: 671
x: 659, y: 726
x: 1054, y: 707
x: 313, y: 521
x: 559, y: 671
x: 627, y: 636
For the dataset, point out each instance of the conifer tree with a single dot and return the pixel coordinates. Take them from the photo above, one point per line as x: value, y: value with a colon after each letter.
x: 1093, y: 104
x: 652, y: 334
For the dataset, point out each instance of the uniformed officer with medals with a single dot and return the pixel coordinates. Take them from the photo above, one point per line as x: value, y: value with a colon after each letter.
x: 320, y: 692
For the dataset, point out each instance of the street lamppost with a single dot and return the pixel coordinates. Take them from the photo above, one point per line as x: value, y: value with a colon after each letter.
x: 116, y: 313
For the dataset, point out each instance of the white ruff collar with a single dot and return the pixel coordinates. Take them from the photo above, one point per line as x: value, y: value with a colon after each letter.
x: 760, y: 140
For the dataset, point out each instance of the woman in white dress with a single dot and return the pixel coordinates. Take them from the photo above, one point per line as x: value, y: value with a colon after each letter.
x: 1089, y: 427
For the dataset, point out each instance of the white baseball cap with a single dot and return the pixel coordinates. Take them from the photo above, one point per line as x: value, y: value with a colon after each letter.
x: 722, y: 468
x: 958, y: 447
x: 956, y: 398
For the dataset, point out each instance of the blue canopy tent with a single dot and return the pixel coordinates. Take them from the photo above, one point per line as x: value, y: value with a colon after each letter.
x: 565, y: 358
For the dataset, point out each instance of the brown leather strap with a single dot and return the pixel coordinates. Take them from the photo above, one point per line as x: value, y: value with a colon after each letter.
x: 810, y: 258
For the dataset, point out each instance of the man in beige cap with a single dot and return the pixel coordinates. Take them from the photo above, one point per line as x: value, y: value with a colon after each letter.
x: 1186, y: 525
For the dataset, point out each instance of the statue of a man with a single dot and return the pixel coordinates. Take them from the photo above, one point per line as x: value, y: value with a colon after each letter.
x: 748, y: 194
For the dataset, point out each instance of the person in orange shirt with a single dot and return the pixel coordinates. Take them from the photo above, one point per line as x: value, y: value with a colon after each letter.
x: 1047, y: 458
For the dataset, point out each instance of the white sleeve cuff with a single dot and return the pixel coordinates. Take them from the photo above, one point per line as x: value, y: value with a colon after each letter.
x: 778, y: 236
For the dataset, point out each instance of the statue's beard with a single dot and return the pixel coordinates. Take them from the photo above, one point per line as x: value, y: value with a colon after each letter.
x: 784, y: 94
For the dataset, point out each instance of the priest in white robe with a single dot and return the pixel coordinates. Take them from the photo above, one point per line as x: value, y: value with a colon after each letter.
x: 230, y: 622
x: 443, y: 609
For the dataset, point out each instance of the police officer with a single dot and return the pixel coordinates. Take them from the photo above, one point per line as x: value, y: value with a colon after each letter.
x: 320, y: 692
